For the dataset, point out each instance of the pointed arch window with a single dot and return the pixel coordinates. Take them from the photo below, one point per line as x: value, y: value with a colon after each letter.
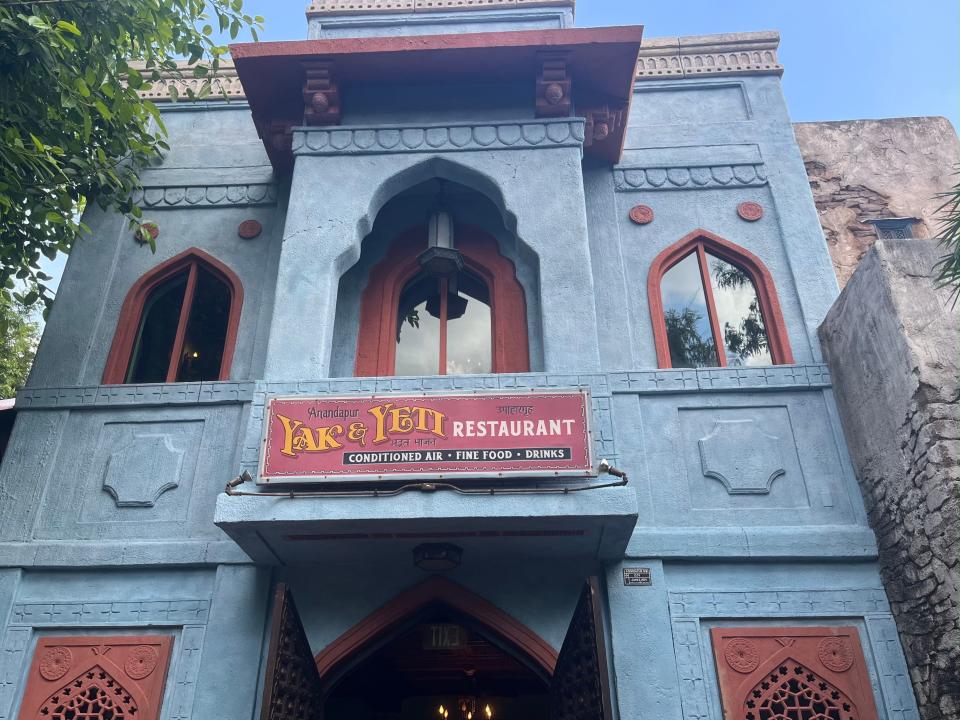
x: 178, y: 323
x: 713, y: 304
x: 415, y: 324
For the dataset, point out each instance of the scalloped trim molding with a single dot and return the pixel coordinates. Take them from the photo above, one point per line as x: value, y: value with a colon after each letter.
x: 565, y: 132
x: 633, y: 179
x: 159, y: 196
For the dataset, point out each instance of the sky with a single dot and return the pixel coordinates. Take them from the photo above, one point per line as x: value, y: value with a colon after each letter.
x: 844, y: 59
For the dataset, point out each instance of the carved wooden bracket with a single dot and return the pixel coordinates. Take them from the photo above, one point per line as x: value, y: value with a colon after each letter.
x: 601, y: 123
x: 280, y: 135
x: 553, y: 86
x: 321, y: 94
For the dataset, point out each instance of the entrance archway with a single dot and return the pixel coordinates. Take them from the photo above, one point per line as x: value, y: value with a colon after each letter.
x: 438, y: 652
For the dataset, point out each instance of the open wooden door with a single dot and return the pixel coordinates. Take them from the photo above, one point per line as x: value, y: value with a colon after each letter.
x: 292, y: 688
x: 580, y: 689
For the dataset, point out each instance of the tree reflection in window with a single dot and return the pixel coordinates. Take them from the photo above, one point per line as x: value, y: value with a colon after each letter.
x: 709, y: 302
x: 442, y: 330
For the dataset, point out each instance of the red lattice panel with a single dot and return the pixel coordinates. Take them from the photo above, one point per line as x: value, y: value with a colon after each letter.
x: 792, y: 673
x: 97, y: 678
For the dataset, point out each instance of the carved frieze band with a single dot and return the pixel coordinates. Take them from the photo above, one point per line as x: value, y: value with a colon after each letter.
x: 207, y: 195
x: 148, y: 394
x: 226, y: 82
x: 774, y: 377
x: 630, y: 179
x: 564, y: 132
x: 791, y: 603
x: 360, y: 7
x: 710, y: 55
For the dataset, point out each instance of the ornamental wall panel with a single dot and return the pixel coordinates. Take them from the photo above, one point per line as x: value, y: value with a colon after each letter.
x: 97, y: 678
x: 798, y: 673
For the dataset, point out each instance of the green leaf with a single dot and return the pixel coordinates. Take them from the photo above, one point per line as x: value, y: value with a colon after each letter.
x: 82, y: 87
x: 69, y: 27
x: 103, y: 110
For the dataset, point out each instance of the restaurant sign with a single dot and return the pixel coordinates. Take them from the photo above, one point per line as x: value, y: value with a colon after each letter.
x: 435, y: 436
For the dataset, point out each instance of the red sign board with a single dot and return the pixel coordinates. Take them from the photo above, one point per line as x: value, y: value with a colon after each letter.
x: 387, y: 437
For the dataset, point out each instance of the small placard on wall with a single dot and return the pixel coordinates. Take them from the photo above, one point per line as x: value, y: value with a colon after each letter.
x: 637, y: 576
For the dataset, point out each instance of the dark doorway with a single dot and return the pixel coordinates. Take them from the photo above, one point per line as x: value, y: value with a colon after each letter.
x: 437, y: 652
x: 442, y: 667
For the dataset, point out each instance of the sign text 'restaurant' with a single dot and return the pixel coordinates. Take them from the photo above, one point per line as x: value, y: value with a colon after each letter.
x: 383, y: 436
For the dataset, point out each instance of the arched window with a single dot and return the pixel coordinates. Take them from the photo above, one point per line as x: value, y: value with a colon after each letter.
x: 714, y: 305
x: 414, y: 324
x: 178, y: 323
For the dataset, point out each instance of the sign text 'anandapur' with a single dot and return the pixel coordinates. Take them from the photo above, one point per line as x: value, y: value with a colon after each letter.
x: 340, y: 438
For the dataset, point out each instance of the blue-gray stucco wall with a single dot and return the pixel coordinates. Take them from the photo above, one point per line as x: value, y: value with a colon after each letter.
x: 793, y: 550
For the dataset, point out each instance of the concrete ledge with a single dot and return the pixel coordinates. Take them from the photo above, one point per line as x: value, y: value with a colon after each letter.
x: 87, y: 554
x: 283, y: 530
x: 808, y: 542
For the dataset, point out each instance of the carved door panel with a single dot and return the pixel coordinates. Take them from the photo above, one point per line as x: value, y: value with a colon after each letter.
x: 580, y: 689
x: 292, y: 688
x: 97, y: 678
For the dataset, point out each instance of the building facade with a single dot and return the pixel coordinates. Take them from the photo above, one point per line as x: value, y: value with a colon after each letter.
x: 430, y: 205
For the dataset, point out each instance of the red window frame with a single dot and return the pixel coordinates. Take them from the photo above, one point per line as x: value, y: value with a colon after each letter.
x: 700, y: 241
x: 376, y: 339
x: 128, y: 325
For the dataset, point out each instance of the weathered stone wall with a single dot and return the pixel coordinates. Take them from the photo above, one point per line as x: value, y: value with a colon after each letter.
x: 862, y: 170
x: 891, y: 341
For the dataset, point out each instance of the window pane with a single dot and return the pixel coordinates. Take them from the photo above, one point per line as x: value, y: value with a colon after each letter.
x: 158, y: 330
x: 469, y: 337
x: 418, y: 332
x: 738, y: 309
x: 686, y: 316
x: 206, y: 333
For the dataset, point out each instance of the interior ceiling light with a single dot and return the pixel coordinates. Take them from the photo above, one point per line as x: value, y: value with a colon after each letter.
x: 437, y: 557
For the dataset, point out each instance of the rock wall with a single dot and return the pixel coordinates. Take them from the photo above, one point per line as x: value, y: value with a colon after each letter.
x: 891, y: 341
x: 862, y: 170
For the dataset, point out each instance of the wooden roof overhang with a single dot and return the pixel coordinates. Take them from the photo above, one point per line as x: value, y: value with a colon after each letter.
x: 593, y: 67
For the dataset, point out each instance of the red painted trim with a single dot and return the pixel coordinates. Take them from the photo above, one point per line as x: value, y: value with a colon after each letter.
x: 128, y: 323
x: 777, y: 337
x: 540, y: 39
x: 711, y: 306
x: 176, y: 354
x: 349, y: 649
x: 376, y: 338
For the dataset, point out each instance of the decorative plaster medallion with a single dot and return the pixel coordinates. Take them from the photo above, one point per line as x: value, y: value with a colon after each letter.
x: 641, y: 214
x: 249, y: 229
x: 553, y: 93
x: 750, y: 211
x: 150, y: 228
x: 836, y: 654
x: 742, y: 655
x: 141, y: 662
x: 742, y: 456
x: 143, y: 469
x: 55, y: 663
